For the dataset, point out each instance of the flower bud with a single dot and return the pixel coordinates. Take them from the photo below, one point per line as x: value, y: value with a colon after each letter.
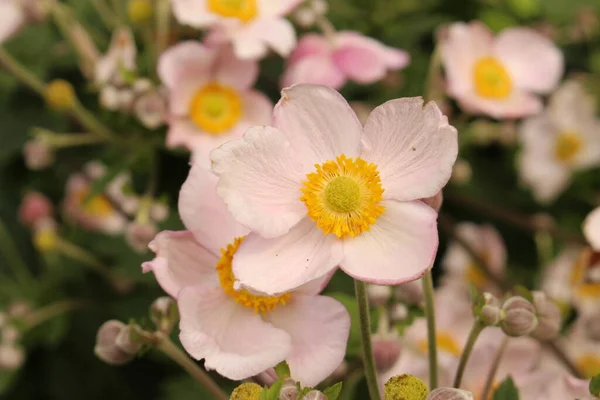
x: 405, y: 387
x: 319, y: 6
x: 490, y: 312
x: 164, y: 313
x: 386, y: 351
x: 289, y: 390
x: 450, y: 394
x: 45, y: 237
x: 305, y: 17
x: 11, y: 357
x: 19, y: 308
x: 60, y: 95
x: 246, y: 391
x: 138, y: 235
x: 549, y: 317
x: 34, y: 207
x: 378, y: 294
x: 113, y: 343
x: 109, y: 98
x: 398, y: 312
x: 139, y: 11
x: 518, y: 317
x: 37, y: 155
x: 159, y: 211
x: 314, y: 395
x: 151, y: 109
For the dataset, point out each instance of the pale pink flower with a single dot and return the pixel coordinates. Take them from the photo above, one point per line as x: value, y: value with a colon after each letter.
x: 34, y: 207
x: 499, y: 76
x: 237, y: 332
x: 211, y: 100
x: 317, y: 190
x: 38, y: 155
x: 346, y: 55
x: 252, y: 26
x: 562, y: 140
x: 97, y: 213
x: 591, y: 228
x: 460, y: 267
x: 552, y: 384
x: 582, y: 344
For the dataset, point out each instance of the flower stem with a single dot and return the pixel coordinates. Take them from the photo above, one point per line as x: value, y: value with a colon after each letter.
x: 8, y: 248
x: 163, y: 19
x: 464, y: 358
x: 431, y: 334
x: 20, y: 72
x: 62, y: 140
x: 492, y: 374
x: 89, y: 122
x: 365, y: 330
x: 48, y: 312
x: 174, y: 353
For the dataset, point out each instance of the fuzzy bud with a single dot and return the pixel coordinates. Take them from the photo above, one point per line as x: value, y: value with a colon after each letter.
x: 549, y: 317
x: 37, y: 155
x: 246, y: 391
x: 490, y: 312
x: 405, y: 387
x: 289, y: 390
x: 450, y: 394
x: 164, y: 313
x: 113, y: 343
x: 109, y: 98
x: 305, y: 17
x: 314, y: 395
x: 139, y: 235
x: 386, y: 351
x: 11, y: 357
x: 139, y: 11
x: 60, y: 95
x: 34, y: 207
x: 518, y: 317
x: 378, y: 294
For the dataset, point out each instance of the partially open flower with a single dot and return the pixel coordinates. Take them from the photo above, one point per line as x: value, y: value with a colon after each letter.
x: 518, y: 317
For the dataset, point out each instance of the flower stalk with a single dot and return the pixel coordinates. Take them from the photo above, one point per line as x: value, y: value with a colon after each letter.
x: 494, y: 369
x: 20, y: 72
x: 428, y: 295
x: 478, y: 326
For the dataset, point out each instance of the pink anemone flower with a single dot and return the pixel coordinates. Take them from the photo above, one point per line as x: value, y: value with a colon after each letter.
x: 237, y: 332
x: 318, y: 190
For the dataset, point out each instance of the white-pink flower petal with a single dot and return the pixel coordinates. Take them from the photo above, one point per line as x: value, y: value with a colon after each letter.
x: 591, y: 228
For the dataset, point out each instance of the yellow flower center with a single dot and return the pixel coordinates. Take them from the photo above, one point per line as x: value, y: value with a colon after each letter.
x: 583, y: 286
x: 343, y: 196
x: 491, y: 79
x: 244, y: 10
x: 568, y: 144
x: 405, y: 387
x: 215, y: 108
x: 262, y: 304
x: 589, y: 365
x: 99, y: 205
x: 444, y: 341
x: 475, y: 275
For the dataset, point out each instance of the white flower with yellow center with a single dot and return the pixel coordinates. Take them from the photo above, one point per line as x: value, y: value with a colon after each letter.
x: 210, y: 95
x: 251, y: 26
x: 499, y: 76
x: 318, y: 190
x: 563, y: 139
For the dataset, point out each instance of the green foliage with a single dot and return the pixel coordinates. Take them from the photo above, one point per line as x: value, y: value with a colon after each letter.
x: 333, y: 392
x: 272, y: 393
x: 595, y: 385
x: 283, y: 370
x: 506, y: 391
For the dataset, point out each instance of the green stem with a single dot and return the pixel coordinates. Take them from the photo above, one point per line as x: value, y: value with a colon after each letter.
x: 432, y: 74
x: 20, y: 72
x: 105, y: 13
x: 89, y: 122
x: 174, y: 353
x: 428, y: 295
x: 163, y: 20
x: 63, y: 140
x: 8, y: 247
x: 464, y: 358
x: 365, y: 330
x: 350, y: 383
x: 46, y: 313
x: 492, y: 374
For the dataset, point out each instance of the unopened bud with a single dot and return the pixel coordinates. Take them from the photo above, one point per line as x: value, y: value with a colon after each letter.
x: 113, y: 343
x: 450, y: 394
x: 164, y: 313
x: 37, y: 155
x: 405, y: 387
x: 34, y: 207
x: 151, y: 109
x: 386, y: 351
x: 109, y: 98
x: 45, y: 237
x: 305, y: 17
x: 490, y: 312
x: 549, y: 317
x: 314, y: 395
x: 319, y: 6
x: 60, y: 95
x: 246, y: 391
x: 518, y: 317
x: 11, y: 357
x: 159, y: 211
x: 378, y: 295
x: 139, y: 11
x: 289, y: 390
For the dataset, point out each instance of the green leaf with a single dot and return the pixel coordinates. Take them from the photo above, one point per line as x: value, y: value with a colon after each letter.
x: 333, y: 392
x: 595, y: 385
x: 506, y: 391
x: 283, y: 370
x: 272, y: 393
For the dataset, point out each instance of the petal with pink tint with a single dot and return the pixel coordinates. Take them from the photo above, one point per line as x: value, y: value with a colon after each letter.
x: 412, y: 146
x: 400, y: 247
x: 365, y: 60
x: 520, y: 104
x: 460, y: 47
x: 231, y: 71
x: 231, y: 338
x: 260, y: 180
x: 319, y: 327
x: 533, y: 61
x: 258, y: 108
x: 277, y: 7
x: 546, y: 178
x: 183, y: 132
x: 186, y: 58
x: 277, y: 33
x: 11, y: 18
x: 318, y: 122
x: 591, y: 228
x: 313, y: 69
x: 181, y: 261
x: 310, y: 44
x: 278, y: 265
x: 204, y: 213
x: 193, y: 12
